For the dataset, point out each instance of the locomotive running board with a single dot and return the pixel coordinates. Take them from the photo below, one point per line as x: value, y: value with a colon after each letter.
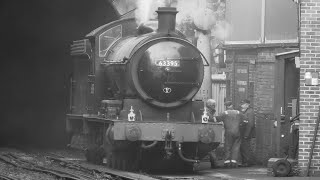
x: 155, y: 131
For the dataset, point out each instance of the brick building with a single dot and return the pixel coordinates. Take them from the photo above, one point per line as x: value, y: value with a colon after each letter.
x: 309, y: 95
x: 257, y: 43
x: 252, y: 75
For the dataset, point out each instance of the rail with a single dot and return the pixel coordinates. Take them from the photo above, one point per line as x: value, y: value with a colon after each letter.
x: 116, y: 174
x: 5, y: 177
x: 62, y: 167
x: 16, y: 162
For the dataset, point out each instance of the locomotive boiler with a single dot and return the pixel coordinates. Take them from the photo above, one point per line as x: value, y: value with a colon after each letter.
x: 131, y: 96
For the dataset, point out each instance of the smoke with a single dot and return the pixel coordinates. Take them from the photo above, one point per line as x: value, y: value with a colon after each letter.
x: 124, y: 6
x: 207, y: 15
x: 197, y: 11
x: 186, y: 11
x: 221, y: 30
x: 146, y: 10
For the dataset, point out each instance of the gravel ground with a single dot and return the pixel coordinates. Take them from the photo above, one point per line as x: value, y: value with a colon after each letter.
x: 18, y: 173
x: 43, y: 159
x: 36, y: 157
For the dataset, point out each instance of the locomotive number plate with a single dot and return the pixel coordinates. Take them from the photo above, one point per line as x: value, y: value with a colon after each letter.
x: 170, y: 63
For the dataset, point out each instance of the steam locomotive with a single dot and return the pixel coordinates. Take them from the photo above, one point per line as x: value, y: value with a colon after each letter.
x: 131, y: 97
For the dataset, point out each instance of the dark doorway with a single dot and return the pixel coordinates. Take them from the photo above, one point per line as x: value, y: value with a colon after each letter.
x: 35, y: 64
x: 286, y: 105
x: 291, y: 87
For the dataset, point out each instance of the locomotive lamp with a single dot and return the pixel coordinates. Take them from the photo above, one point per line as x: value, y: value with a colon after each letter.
x: 131, y: 115
x: 205, y: 117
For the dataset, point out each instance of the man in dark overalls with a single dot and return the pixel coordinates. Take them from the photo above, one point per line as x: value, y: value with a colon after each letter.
x: 246, y: 133
x: 231, y: 119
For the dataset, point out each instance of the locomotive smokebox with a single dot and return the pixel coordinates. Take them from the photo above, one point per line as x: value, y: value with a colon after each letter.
x: 167, y: 19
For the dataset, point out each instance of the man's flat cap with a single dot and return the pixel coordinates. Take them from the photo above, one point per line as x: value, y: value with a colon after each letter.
x: 245, y: 101
x: 228, y: 103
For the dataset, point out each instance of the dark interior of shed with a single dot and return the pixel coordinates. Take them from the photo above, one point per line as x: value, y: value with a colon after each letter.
x: 35, y: 65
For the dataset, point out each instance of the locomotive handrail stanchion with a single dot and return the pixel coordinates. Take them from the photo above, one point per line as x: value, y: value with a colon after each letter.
x: 141, y: 118
x: 192, y: 117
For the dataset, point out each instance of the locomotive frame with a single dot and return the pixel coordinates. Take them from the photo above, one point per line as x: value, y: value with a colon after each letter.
x: 126, y: 126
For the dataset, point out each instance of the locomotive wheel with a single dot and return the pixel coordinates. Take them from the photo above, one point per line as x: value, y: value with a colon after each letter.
x: 213, y: 160
x: 95, y: 155
x: 159, y: 165
x: 190, y: 168
x: 122, y: 161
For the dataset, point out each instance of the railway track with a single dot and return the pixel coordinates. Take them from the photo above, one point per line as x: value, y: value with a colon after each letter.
x: 66, y: 164
x: 94, y: 169
x: 5, y: 177
x: 69, y: 163
x: 30, y: 166
x: 68, y: 170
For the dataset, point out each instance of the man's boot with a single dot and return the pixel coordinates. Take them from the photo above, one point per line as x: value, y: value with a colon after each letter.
x: 227, y: 163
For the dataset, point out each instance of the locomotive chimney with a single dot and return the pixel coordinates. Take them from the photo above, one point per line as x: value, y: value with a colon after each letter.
x: 167, y: 19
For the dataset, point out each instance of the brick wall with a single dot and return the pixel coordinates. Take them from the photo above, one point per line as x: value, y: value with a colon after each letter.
x: 261, y: 66
x: 309, y: 96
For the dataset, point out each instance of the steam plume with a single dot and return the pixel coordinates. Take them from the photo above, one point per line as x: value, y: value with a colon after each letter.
x: 207, y: 15
x: 221, y: 30
x: 146, y: 10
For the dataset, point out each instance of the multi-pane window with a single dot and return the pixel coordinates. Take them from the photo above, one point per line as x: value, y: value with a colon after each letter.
x: 281, y: 24
x: 261, y: 21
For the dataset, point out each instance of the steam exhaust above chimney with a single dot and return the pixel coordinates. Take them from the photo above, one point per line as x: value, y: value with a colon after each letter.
x: 166, y: 19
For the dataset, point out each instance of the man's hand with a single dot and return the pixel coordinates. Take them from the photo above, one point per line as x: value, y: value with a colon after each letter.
x: 245, y: 137
x: 214, y: 119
